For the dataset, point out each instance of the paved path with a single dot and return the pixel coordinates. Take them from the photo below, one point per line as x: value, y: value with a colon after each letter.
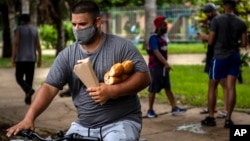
x: 61, y: 112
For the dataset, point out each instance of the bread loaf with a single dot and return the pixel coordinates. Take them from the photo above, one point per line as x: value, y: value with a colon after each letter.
x: 116, y: 70
x: 119, y: 72
x: 110, y: 80
x: 127, y: 66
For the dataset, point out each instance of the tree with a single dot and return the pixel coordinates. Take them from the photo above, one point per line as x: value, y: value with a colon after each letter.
x: 150, y: 14
x: 8, y: 18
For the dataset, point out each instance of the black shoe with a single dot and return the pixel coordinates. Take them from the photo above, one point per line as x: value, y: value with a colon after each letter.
x: 208, y: 121
x: 228, y: 123
x: 28, y: 97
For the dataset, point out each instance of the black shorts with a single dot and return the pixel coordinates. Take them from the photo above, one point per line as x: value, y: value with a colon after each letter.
x: 160, y: 80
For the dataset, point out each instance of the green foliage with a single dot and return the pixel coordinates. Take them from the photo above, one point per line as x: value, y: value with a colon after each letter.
x: 48, y: 35
x: 242, y: 10
x: 69, y: 36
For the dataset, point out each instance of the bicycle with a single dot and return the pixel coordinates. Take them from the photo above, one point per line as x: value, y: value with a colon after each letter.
x: 32, y: 135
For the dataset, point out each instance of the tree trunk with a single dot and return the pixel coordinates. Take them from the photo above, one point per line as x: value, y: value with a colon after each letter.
x: 150, y: 14
x: 8, y: 16
x: 60, y: 40
x: 59, y: 26
x: 33, y: 11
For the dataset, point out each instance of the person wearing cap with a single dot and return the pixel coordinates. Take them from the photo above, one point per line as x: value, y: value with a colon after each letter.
x: 211, y: 11
x: 159, y: 67
x: 227, y: 34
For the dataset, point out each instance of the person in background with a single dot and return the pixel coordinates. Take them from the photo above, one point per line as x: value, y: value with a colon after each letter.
x: 159, y: 68
x: 25, y: 53
x: 108, y: 112
x: 211, y: 11
x: 227, y: 34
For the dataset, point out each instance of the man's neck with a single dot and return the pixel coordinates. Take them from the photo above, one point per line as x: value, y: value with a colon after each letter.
x: 95, y: 44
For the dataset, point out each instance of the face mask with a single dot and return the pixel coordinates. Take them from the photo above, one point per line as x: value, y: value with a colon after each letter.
x: 83, y: 36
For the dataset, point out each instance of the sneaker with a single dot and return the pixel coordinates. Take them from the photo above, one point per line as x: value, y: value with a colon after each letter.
x: 28, y: 97
x: 208, y: 121
x: 177, y: 111
x: 222, y: 114
x: 228, y: 123
x: 151, y: 114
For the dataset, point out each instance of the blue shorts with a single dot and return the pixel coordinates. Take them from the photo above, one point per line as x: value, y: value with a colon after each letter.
x: 221, y: 68
x: 160, y: 79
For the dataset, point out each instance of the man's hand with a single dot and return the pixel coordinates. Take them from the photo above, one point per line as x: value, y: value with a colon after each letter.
x: 203, y: 37
x: 168, y: 67
x: 39, y: 64
x: 23, y: 125
x: 100, y: 94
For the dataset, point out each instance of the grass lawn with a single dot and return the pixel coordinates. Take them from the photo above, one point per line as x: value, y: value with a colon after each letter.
x: 190, y: 86
x: 175, y: 48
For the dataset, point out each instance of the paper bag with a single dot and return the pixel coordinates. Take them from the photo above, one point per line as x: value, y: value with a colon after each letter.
x: 84, y: 70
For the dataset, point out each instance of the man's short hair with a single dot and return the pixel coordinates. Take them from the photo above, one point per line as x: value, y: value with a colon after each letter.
x: 231, y: 2
x: 25, y: 18
x: 86, y: 7
x: 210, y: 7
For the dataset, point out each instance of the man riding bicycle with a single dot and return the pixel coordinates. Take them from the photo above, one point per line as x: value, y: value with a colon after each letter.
x: 120, y: 117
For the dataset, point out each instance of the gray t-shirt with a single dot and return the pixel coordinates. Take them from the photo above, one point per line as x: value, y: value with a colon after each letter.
x: 228, y: 29
x: 90, y: 114
x: 27, y: 47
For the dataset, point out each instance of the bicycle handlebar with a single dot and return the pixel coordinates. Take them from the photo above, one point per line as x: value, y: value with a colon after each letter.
x: 61, y: 137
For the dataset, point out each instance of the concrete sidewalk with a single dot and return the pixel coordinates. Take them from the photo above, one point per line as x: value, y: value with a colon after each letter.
x: 61, y: 113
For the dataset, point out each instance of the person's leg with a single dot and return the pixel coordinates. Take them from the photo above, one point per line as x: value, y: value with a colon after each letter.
x: 216, y: 72
x: 20, y: 70
x: 233, y: 72
x: 223, y: 112
x: 29, y: 73
x: 171, y: 98
x: 151, y: 98
x: 123, y: 130
x: 153, y: 88
x: 231, y: 84
x: 212, y: 96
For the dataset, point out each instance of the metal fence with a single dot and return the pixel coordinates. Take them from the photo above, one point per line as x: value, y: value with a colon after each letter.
x: 130, y: 23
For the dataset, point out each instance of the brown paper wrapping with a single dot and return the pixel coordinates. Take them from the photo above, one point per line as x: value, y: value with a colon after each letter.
x: 84, y: 70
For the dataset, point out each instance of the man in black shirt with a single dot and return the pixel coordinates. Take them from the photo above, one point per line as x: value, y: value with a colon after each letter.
x: 227, y: 33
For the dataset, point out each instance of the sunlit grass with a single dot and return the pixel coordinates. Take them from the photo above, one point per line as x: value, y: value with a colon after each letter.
x: 190, y: 86
x: 175, y: 48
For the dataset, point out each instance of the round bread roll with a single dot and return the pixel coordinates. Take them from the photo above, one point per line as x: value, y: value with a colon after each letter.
x: 116, y: 70
x: 113, y: 80
x: 127, y: 66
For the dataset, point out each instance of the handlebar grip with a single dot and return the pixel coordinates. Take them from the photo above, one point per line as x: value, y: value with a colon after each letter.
x: 26, y: 133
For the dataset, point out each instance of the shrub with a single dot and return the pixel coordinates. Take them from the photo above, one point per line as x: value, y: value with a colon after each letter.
x: 48, y: 36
